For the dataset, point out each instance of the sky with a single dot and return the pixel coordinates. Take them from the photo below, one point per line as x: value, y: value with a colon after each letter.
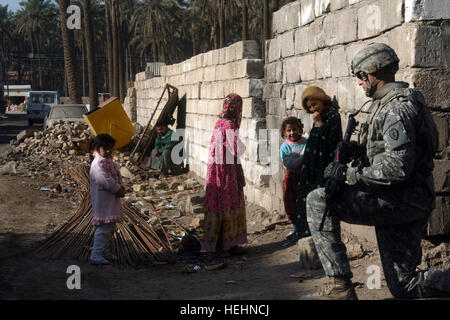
x: 13, y: 5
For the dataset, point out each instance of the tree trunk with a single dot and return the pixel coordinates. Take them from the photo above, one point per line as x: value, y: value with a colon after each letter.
x: 39, y: 63
x: 115, y: 34
x: 83, y: 68
x: 121, y: 61
x: 69, y: 54
x: 109, y: 45
x: 274, y: 7
x: 221, y: 27
x: 90, y: 51
x: 266, y: 26
x: 244, y: 20
x: 214, y: 35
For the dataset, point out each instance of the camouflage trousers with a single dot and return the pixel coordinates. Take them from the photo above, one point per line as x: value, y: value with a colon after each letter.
x: 399, y: 230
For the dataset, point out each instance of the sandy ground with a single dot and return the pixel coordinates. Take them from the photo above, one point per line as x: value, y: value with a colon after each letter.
x: 27, y: 215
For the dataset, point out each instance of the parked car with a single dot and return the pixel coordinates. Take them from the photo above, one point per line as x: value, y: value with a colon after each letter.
x: 65, y: 112
x: 39, y: 104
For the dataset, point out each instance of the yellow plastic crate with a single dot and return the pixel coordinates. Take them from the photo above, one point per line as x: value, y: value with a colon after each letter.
x: 112, y: 119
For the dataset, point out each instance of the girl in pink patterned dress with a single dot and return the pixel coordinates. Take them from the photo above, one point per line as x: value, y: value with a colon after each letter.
x: 225, y: 223
x: 106, y: 190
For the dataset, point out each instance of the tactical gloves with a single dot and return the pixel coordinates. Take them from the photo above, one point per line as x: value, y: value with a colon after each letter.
x: 336, y: 171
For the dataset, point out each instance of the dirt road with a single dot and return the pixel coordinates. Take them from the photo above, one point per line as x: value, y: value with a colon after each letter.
x: 27, y: 215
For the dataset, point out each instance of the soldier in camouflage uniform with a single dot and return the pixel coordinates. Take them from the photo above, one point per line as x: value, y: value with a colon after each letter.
x: 394, y: 191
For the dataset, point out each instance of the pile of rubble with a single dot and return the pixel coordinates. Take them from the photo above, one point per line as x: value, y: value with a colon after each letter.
x: 47, y: 155
x: 63, y: 138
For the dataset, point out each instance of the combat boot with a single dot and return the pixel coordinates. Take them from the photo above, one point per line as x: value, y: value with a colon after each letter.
x: 338, y: 288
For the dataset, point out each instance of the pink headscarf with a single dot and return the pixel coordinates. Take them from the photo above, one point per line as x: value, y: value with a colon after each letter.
x: 232, y: 109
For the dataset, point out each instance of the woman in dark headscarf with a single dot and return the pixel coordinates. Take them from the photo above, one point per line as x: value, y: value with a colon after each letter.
x: 319, y: 151
x: 225, y: 225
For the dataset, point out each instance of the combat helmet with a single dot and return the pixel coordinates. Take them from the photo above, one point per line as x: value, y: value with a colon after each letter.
x: 374, y: 57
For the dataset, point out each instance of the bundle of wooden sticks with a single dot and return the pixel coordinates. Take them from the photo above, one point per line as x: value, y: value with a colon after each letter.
x: 135, y: 241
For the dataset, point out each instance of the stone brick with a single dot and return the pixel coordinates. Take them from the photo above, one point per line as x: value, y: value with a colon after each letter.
x: 287, y: 18
x: 428, y: 47
x: 440, y: 175
x: 306, y: 66
x: 316, y: 34
x: 274, y: 72
x: 433, y: 84
x: 276, y: 106
x: 292, y: 69
x: 246, y: 50
x: 416, y: 10
x: 439, y: 221
x: 323, y: 64
x: 274, y: 50
x: 339, y: 28
x: 321, y: 7
x: 446, y: 41
x: 337, y: 4
x: 290, y: 97
x: 254, y: 125
x: 298, y: 95
x: 287, y: 44
x: 254, y: 68
x: 338, y: 62
x: 301, y: 40
x: 307, y: 11
x: 442, y: 126
x: 253, y: 108
x: 378, y: 17
x: 272, y: 90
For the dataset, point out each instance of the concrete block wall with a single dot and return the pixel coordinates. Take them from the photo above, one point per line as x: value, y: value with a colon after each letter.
x: 206, y: 79
x: 314, y: 43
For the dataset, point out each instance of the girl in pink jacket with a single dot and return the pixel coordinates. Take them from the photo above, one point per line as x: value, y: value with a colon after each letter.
x: 106, y: 190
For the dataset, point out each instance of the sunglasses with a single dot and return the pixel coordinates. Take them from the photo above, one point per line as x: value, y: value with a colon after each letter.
x: 361, y: 75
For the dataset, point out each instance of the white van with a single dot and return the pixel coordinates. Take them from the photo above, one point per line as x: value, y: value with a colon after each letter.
x: 38, y: 105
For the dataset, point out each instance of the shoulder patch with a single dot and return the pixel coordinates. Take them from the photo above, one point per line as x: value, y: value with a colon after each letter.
x: 393, y: 133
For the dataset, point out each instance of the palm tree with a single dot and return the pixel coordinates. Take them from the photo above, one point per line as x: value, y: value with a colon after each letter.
x: 244, y: 19
x: 5, y: 34
x: 69, y: 54
x: 90, y: 50
x: 35, y: 18
x: 153, y: 20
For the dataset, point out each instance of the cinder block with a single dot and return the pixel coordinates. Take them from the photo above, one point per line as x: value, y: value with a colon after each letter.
x: 275, y: 106
x: 254, y: 68
x: 307, y: 67
x: 307, y: 11
x: 290, y: 97
x: 292, y: 69
x: 271, y: 72
x: 287, y: 18
x: 287, y: 40
x: 416, y: 10
x: 230, y: 53
x: 321, y: 7
x: 253, y: 108
x: 441, y: 121
x: 323, y: 64
x: 301, y: 40
x: 248, y: 49
x: 274, y: 50
x: 210, y: 73
x: 339, y: 66
x: 441, y: 175
x: 337, y: 4
x: 378, y: 17
x: 439, y: 221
